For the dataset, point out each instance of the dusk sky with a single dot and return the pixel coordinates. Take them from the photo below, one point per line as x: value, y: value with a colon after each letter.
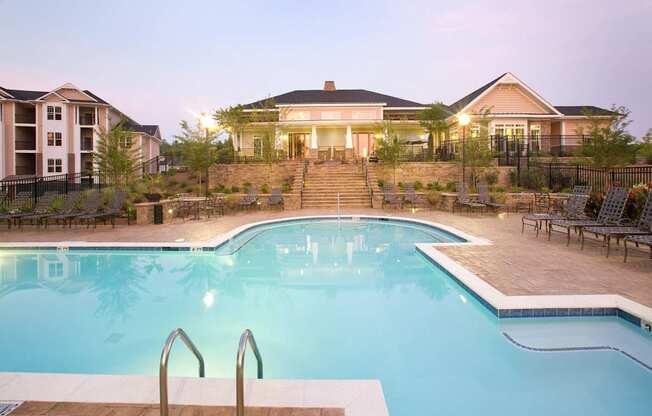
x: 161, y: 61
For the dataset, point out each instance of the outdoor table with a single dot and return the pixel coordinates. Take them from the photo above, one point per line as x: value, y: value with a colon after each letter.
x: 194, y: 203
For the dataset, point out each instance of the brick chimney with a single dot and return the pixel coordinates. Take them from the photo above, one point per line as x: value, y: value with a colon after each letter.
x: 329, y: 85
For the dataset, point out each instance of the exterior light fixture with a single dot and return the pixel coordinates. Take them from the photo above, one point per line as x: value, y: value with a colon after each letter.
x: 463, y: 119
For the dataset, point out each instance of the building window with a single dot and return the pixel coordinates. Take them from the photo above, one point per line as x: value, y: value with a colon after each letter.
x: 363, y: 115
x: 54, y: 138
x: 509, y: 130
x: 258, y: 147
x: 54, y: 112
x: 54, y: 166
x: 298, y: 115
x: 126, y: 142
x: 55, y: 270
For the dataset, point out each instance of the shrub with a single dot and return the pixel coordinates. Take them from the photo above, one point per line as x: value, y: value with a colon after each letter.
x: 286, y: 187
x: 418, y: 185
x: 636, y: 200
x: 172, y: 183
x: 264, y: 188
x: 532, y: 179
x: 451, y: 186
x: 381, y: 183
x: 498, y: 189
x: 566, y: 190
x: 400, y: 185
x: 235, y: 189
x: 545, y: 189
x: 183, y: 184
x: 246, y: 186
x: 499, y: 197
x: 594, y: 203
x: 171, y: 172
x: 435, y: 186
x: 491, y: 177
x: 516, y: 189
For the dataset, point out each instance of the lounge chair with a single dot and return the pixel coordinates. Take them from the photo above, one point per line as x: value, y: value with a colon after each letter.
x: 642, y: 227
x: 465, y: 201
x: 249, y: 200
x: 41, y: 209
x: 113, y: 210
x: 16, y: 208
x: 541, y: 202
x: 485, y: 199
x: 390, y: 197
x: 90, y: 205
x: 276, y: 199
x: 574, y: 209
x: 67, y: 211
x: 610, y: 215
x: 410, y: 196
x: 638, y: 240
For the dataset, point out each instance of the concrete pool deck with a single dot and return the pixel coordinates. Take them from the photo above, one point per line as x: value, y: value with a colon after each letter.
x: 515, y: 264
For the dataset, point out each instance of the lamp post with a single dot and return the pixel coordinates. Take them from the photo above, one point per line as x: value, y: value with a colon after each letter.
x: 463, y: 119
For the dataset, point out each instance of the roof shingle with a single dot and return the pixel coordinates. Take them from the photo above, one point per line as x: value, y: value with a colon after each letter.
x: 579, y: 110
x: 335, y: 97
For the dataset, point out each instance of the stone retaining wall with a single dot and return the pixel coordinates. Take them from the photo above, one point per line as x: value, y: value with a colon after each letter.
x: 257, y: 174
x: 427, y: 172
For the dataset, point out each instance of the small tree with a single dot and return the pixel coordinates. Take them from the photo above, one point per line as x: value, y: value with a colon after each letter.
x: 433, y: 120
x: 233, y: 120
x: 477, y: 152
x: 388, y: 148
x: 116, y: 156
x: 609, y: 144
x: 645, y: 149
x: 198, y: 148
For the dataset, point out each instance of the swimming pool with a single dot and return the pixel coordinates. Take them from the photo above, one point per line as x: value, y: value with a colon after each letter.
x: 325, y: 300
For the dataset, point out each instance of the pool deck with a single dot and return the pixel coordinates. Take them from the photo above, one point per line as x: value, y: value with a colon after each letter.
x: 515, y: 264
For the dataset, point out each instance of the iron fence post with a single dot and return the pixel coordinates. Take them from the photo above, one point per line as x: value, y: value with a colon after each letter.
x: 66, y: 184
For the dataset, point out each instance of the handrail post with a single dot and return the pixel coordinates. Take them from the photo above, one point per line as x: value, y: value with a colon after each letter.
x: 163, y: 369
x: 247, y: 336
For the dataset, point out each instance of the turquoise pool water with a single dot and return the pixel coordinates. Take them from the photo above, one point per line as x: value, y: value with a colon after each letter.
x: 325, y: 300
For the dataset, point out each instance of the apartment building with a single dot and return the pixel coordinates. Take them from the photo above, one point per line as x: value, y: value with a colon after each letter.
x: 54, y: 132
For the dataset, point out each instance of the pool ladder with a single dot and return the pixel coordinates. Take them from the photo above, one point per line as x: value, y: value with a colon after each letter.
x: 246, y: 337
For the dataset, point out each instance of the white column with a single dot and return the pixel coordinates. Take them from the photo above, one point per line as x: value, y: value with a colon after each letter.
x: 349, y: 138
x: 277, y: 139
x: 313, y: 138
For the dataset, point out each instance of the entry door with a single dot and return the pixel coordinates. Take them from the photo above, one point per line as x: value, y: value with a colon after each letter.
x: 296, y: 144
x: 364, y: 144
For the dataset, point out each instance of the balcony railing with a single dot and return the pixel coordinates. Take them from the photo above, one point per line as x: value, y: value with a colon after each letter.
x: 87, y: 144
x: 25, y: 118
x: 86, y: 119
x: 25, y: 143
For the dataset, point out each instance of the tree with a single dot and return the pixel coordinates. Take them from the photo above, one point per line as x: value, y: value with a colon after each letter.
x: 197, y: 148
x: 609, y: 144
x: 388, y: 147
x: 116, y: 156
x: 645, y: 148
x: 233, y: 120
x: 433, y: 120
x: 477, y: 152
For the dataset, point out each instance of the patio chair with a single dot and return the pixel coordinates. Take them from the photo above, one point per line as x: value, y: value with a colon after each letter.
x: 91, y: 205
x: 410, y: 196
x: 523, y: 202
x: 113, y: 210
x: 276, y: 199
x: 16, y: 208
x: 41, y: 209
x: 249, y: 200
x: 390, y: 197
x: 642, y: 227
x: 485, y: 199
x: 638, y: 240
x: 574, y: 209
x: 541, y: 202
x: 214, y: 204
x: 610, y: 215
x: 465, y: 201
x: 67, y: 211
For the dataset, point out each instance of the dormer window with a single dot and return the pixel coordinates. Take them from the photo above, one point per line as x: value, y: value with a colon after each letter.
x: 54, y: 112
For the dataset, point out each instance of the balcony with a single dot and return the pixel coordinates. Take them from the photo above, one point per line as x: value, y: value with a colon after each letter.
x: 86, y: 116
x: 25, y: 138
x: 25, y: 164
x: 25, y: 114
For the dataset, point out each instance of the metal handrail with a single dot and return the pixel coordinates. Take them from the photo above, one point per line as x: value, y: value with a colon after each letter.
x: 163, y: 369
x: 247, y: 336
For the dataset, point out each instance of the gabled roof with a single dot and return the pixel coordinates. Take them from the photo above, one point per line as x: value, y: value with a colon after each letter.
x: 298, y: 97
x: 149, y: 129
x: 5, y: 93
x: 579, y: 110
x: 508, y: 78
x: 25, y: 95
x: 466, y: 100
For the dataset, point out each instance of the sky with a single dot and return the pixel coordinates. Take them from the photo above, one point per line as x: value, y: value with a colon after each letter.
x: 163, y: 61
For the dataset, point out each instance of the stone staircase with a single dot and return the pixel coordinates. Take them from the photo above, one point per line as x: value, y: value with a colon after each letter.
x: 322, y: 182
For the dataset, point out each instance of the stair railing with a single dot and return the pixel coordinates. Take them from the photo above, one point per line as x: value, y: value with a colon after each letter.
x: 246, y: 337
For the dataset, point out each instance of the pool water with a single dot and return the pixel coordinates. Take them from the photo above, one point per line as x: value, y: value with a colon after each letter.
x: 325, y: 300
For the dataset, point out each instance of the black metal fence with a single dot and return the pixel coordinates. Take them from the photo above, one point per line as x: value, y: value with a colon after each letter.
x: 61, y: 184
x: 558, y: 176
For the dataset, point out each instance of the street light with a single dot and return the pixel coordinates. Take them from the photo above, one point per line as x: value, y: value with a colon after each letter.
x: 207, y: 122
x: 463, y: 119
